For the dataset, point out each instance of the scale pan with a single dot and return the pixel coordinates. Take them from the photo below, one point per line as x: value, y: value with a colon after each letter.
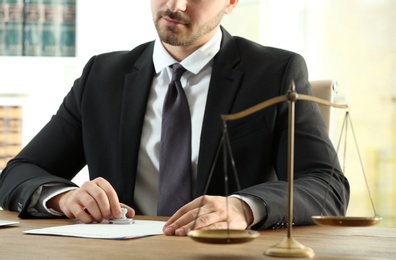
x: 346, y: 221
x: 223, y: 236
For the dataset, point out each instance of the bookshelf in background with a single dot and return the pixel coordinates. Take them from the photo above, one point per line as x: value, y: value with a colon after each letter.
x: 10, y: 133
x: 11, y: 27
x: 38, y: 27
x: 32, y: 29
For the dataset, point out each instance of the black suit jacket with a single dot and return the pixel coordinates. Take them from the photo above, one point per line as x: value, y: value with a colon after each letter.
x: 100, y: 122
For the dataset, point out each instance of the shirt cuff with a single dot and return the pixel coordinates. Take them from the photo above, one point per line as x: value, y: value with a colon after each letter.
x: 256, y: 205
x: 50, y: 192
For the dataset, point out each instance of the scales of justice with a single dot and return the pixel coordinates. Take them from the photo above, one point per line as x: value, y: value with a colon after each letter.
x: 288, y: 247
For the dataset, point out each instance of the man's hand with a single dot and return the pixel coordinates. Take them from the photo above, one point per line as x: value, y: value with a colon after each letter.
x: 95, y: 200
x: 212, y: 215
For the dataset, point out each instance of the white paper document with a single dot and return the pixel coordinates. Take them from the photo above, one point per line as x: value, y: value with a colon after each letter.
x: 140, y: 228
x: 7, y: 223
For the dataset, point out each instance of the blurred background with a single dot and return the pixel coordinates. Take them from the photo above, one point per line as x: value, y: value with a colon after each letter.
x: 352, y: 42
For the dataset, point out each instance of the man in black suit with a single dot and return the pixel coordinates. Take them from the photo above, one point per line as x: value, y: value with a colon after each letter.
x: 110, y: 121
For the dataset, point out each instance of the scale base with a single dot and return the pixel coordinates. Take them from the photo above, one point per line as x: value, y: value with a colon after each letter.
x: 290, y: 247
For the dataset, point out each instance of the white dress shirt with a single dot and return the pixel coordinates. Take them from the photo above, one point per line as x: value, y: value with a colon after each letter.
x: 195, y: 82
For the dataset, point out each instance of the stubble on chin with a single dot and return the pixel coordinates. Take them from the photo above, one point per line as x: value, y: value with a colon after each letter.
x: 171, y: 34
x: 190, y: 34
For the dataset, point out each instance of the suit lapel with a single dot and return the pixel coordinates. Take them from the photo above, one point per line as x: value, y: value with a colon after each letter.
x: 225, y: 81
x: 136, y: 92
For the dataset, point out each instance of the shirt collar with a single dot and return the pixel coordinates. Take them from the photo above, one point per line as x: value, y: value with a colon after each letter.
x: 194, y: 62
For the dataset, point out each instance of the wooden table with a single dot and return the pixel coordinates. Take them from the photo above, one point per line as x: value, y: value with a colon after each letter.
x: 328, y: 243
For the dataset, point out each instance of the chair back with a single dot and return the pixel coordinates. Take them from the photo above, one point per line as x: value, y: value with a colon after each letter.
x: 325, y: 89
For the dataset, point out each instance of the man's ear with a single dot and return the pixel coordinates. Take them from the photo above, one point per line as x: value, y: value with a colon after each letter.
x: 231, y: 5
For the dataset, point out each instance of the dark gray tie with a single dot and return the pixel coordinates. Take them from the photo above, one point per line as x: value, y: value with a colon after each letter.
x: 175, y: 158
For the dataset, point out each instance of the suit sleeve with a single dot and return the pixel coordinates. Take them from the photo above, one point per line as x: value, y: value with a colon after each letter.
x: 316, y: 168
x: 54, y: 155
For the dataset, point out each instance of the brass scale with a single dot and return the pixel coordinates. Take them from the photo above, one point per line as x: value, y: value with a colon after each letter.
x: 288, y: 247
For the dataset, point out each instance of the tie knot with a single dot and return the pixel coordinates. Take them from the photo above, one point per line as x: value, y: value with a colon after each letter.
x: 178, y: 71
